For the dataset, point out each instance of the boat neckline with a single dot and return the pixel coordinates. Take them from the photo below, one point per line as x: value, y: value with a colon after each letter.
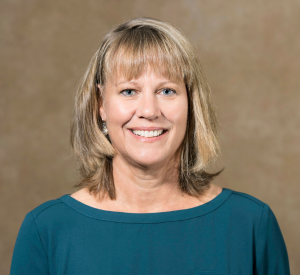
x: 156, y: 217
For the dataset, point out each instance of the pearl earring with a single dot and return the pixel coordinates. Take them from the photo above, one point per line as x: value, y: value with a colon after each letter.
x: 104, y: 128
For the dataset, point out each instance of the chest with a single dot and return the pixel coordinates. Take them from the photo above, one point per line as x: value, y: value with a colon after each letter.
x: 195, y: 245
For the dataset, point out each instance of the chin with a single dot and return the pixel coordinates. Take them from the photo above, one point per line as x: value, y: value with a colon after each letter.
x: 150, y: 162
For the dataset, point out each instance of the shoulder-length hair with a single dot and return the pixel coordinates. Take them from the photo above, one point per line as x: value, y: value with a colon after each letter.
x: 127, y: 50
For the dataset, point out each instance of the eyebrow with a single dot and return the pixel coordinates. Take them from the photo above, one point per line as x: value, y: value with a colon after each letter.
x: 135, y: 82
x: 124, y: 81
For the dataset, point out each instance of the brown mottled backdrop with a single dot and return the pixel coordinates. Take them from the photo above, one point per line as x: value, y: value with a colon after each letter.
x: 249, y: 50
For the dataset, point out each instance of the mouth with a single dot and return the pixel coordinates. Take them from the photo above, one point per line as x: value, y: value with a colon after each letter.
x: 148, y: 134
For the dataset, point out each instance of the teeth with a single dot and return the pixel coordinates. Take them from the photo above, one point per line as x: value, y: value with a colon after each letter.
x: 148, y: 133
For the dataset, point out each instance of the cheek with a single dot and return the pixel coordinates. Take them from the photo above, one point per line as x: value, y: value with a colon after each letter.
x: 177, y: 113
x: 118, y: 112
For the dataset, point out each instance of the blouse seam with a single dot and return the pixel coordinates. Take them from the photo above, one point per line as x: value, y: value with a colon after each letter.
x: 262, y: 215
x: 39, y: 236
x: 249, y: 198
x: 45, y: 209
x: 126, y: 222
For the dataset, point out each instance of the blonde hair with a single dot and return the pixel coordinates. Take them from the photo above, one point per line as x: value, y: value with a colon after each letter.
x: 127, y: 50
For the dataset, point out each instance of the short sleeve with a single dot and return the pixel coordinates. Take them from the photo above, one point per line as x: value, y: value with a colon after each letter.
x: 271, y: 253
x: 29, y: 256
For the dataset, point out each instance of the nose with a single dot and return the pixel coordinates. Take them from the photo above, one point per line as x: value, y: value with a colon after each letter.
x: 148, y: 107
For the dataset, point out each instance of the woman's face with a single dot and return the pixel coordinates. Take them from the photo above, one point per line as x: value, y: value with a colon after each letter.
x: 146, y: 118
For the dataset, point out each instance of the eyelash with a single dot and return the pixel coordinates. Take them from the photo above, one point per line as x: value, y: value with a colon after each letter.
x: 123, y: 92
x: 164, y: 89
x: 173, y: 91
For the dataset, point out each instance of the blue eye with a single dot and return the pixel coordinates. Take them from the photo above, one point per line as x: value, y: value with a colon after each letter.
x: 168, y: 92
x: 128, y: 92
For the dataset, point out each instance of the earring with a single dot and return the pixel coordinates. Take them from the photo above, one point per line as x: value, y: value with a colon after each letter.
x: 104, y: 128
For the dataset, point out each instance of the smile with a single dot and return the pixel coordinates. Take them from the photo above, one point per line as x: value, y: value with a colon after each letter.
x: 143, y: 133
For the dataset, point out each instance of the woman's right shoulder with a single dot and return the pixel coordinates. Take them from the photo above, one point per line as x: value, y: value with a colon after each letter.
x: 47, y: 207
x: 49, y: 211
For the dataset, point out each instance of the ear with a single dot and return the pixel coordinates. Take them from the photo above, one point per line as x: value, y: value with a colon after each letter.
x: 101, y: 106
x: 102, y: 112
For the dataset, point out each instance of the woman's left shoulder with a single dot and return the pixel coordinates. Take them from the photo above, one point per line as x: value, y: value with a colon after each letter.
x: 247, y: 205
x: 246, y: 199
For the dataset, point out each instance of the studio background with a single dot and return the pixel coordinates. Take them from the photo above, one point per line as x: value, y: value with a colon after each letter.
x: 250, y: 53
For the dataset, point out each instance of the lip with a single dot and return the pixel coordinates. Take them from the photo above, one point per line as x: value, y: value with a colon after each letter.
x: 147, y: 128
x: 148, y: 139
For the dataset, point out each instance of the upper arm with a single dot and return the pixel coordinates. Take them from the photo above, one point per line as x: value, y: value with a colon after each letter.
x: 29, y: 256
x: 271, y: 253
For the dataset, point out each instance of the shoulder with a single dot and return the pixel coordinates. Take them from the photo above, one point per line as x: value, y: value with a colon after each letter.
x: 51, y: 213
x: 48, y: 215
x: 246, y: 201
x: 246, y: 208
x: 46, y: 207
x: 252, y: 219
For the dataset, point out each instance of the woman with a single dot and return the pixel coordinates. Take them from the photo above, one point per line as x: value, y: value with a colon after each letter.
x: 144, y: 132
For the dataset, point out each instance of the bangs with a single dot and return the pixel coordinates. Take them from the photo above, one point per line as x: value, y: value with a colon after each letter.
x: 135, y: 50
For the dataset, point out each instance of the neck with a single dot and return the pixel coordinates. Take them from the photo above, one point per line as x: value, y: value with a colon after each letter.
x: 141, y: 189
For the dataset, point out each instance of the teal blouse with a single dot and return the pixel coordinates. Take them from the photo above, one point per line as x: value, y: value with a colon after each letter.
x: 234, y: 234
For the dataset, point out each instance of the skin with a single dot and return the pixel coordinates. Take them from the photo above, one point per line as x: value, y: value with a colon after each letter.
x: 145, y: 169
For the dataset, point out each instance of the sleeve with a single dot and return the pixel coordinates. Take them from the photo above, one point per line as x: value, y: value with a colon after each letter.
x: 271, y: 252
x: 29, y: 256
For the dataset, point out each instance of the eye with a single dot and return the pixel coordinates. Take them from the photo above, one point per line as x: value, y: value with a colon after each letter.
x: 128, y: 92
x: 168, y: 92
